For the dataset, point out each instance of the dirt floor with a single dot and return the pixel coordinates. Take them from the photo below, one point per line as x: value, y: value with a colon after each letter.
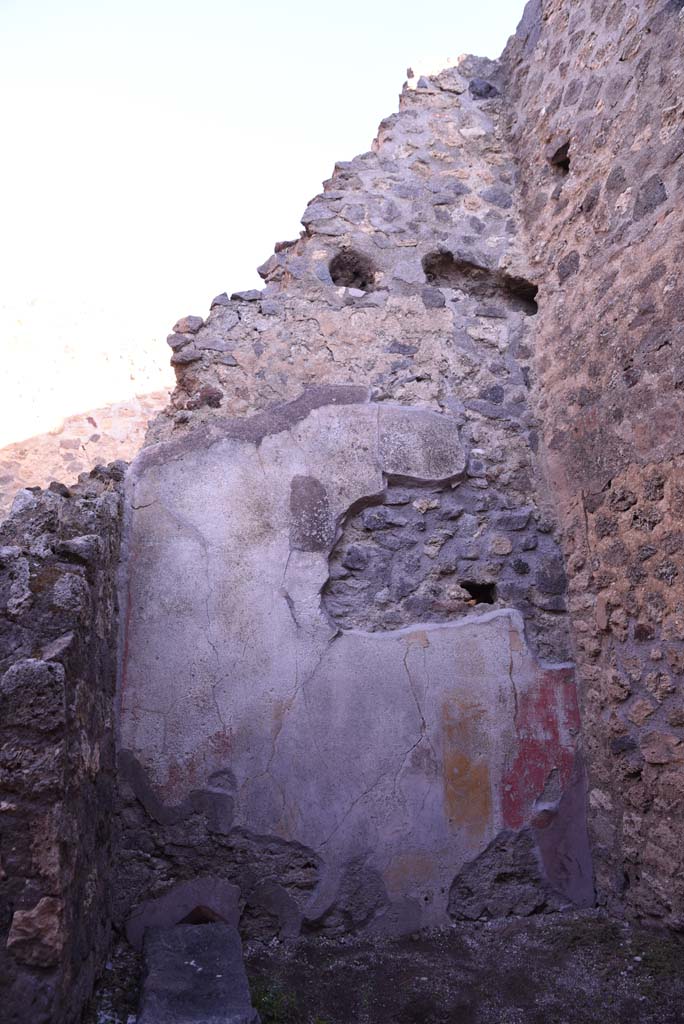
x: 561, y: 969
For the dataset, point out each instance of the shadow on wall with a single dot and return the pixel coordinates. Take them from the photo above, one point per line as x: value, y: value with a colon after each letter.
x: 80, y: 442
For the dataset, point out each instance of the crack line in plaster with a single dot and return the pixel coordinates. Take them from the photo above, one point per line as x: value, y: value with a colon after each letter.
x: 511, y: 669
x: 217, y: 681
x: 287, y: 565
x: 204, y: 545
x: 428, y: 788
x: 291, y: 607
x: 351, y: 807
x: 274, y: 740
x: 423, y: 723
x: 401, y: 768
x: 427, y: 677
x: 423, y: 735
x: 368, y: 790
x: 299, y: 689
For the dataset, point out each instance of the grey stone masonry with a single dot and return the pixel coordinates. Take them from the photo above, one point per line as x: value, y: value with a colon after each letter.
x: 195, y: 975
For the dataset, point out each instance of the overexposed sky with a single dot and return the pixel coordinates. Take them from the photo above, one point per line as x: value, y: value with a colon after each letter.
x: 154, y: 150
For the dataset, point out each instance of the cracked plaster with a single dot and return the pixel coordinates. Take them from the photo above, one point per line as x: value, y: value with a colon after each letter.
x: 389, y: 750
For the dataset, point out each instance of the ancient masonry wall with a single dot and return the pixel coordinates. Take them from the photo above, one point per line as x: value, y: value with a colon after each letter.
x: 97, y: 437
x: 596, y: 93
x: 347, y: 681
x: 347, y: 660
x: 59, y: 552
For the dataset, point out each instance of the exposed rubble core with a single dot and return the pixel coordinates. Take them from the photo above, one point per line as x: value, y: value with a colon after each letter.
x: 433, y: 554
x: 412, y: 516
x: 504, y: 881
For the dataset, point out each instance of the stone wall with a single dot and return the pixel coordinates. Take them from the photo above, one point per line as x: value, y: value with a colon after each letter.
x: 59, y: 552
x: 508, y: 252
x: 596, y: 107
x: 395, y: 496
x: 76, y: 444
x: 346, y: 680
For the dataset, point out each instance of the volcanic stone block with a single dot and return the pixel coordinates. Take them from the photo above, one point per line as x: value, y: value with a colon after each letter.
x: 195, y: 975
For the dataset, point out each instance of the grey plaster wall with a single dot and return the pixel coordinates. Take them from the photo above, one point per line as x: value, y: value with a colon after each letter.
x: 388, y: 754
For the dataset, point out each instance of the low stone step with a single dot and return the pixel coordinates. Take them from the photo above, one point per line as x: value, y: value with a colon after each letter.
x: 194, y: 974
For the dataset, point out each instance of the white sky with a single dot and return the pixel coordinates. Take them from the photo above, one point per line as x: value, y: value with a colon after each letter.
x: 153, y: 152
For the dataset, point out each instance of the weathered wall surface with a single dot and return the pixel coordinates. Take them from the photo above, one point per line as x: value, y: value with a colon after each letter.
x: 58, y: 558
x: 392, y: 756
x: 346, y: 681
x: 605, y: 245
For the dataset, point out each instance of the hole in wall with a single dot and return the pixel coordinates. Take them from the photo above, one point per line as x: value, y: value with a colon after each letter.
x: 202, y: 915
x: 445, y: 270
x: 560, y: 159
x: 483, y: 593
x: 523, y: 292
x: 351, y: 269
